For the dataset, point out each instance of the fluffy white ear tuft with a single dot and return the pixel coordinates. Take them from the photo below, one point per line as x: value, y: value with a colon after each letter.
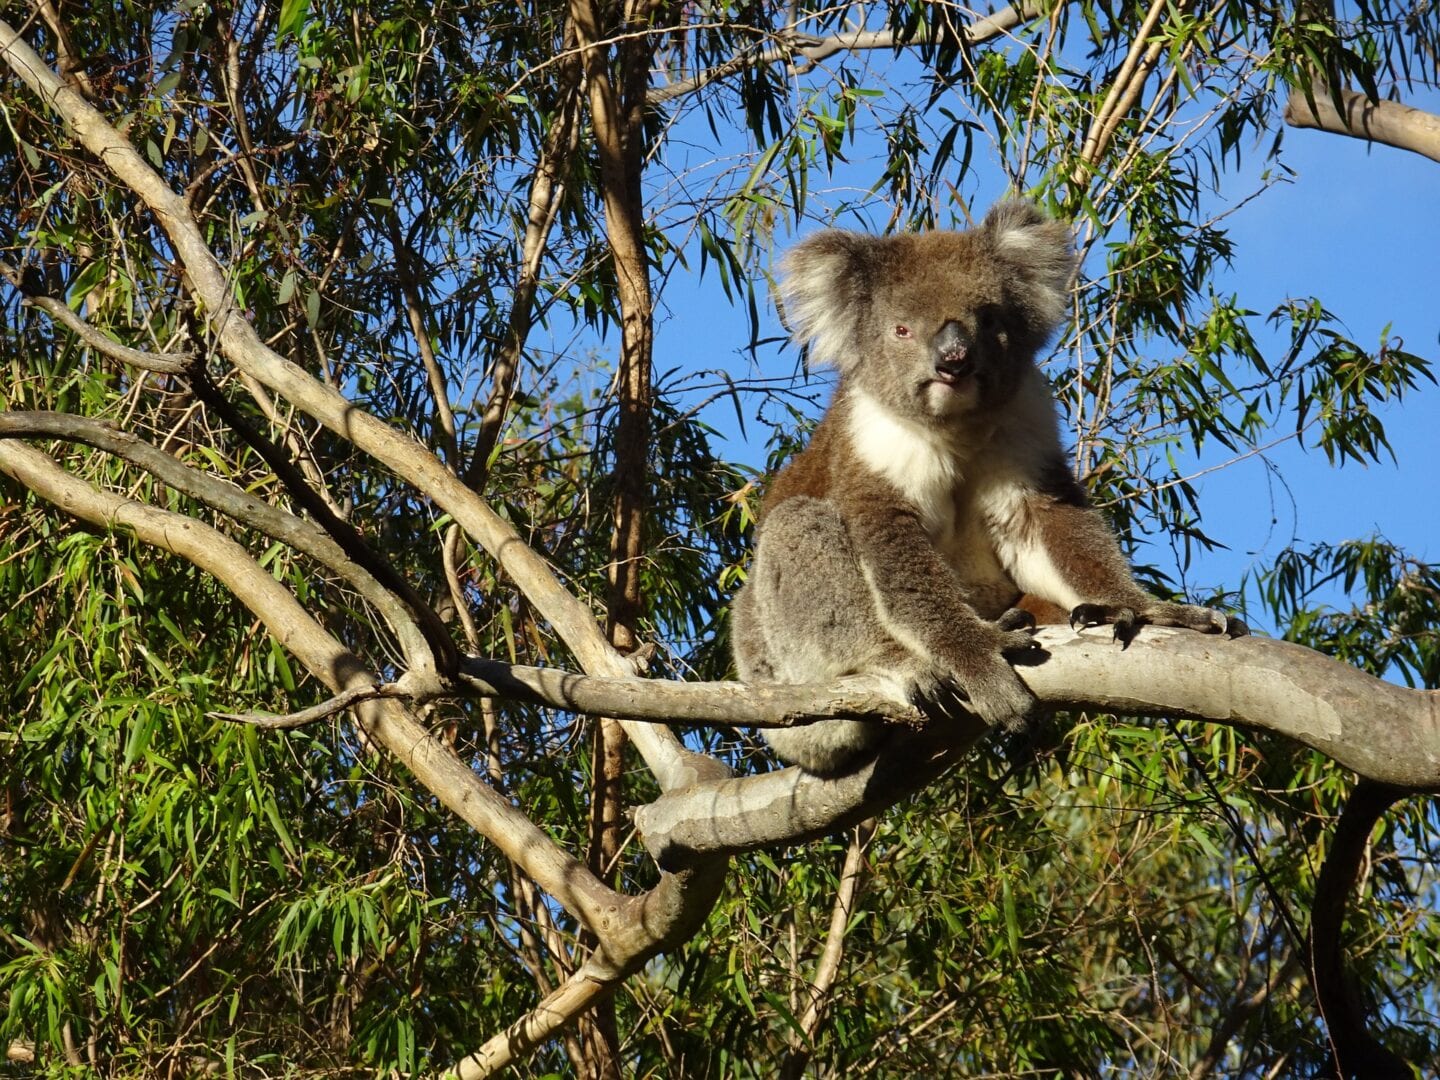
x: 1039, y: 247
x: 824, y: 287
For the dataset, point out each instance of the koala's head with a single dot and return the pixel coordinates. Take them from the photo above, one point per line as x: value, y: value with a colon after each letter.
x: 934, y: 325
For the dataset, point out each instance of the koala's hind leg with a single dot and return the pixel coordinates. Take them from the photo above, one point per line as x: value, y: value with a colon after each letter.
x: 807, y: 615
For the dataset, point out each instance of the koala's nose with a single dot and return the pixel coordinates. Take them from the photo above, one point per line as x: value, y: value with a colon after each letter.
x: 951, y: 346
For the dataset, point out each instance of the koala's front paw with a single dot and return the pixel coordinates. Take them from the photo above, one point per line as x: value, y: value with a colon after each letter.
x: 1127, y: 620
x: 989, y: 689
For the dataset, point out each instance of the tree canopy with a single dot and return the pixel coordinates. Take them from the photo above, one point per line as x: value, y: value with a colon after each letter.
x: 365, y: 565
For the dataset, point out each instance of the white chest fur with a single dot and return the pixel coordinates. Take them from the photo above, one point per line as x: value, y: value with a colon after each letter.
x: 974, y: 508
x: 922, y: 465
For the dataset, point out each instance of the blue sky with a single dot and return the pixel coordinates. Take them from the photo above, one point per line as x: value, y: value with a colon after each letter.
x: 1360, y: 228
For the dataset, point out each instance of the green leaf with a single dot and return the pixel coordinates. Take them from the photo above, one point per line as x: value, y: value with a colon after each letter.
x: 293, y: 14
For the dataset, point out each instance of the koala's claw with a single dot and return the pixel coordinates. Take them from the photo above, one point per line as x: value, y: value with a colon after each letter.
x: 1016, y: 619
x: 997, y: 697
x: 1124, y: 619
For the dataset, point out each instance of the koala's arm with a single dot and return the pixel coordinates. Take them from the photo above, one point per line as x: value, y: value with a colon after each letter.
x: 920, y: 604
x: 1055, y: 546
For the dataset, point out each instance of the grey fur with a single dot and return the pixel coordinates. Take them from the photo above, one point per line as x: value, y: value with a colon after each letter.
x: 935, y: 490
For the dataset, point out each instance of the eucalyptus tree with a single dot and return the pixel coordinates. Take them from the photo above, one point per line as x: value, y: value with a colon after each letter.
x: 340, y: 442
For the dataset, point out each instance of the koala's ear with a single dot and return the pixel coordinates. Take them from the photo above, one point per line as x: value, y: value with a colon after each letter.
x: 825, y: 286
x: 1040, y: 247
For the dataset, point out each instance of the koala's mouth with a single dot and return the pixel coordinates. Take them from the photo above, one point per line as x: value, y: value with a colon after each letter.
x: 952, y: 372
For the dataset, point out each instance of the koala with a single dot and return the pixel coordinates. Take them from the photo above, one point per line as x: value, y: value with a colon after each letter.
x: 935, y: 491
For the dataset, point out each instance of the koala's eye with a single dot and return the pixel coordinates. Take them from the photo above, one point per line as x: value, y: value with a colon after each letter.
x: 903, y: 331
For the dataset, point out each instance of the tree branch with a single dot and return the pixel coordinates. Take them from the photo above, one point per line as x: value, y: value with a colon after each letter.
x: 225, y: 497
x: 672, y: 765
x: 443, y: 430
x: 580, y: 992
x: 1124, y: 90
x: 852, y: 876
x: 1357, y: 1053
x: 792, y: 45
x: 1347, y: 112
x: 323, y: 711
x: 629, y: 929
x: 547, y: 188
x: 704, y: 704
x: 161, y: 363
x: 1383, y: 732
x: 1235, y: 1017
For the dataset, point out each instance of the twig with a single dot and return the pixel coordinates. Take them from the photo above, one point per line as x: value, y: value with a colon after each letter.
x: 547, y: 189
x: 443, y: 430
x: 161, y: 363
x: 327, y: 708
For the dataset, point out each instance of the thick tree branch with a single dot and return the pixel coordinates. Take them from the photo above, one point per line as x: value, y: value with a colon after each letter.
x: 1346, y: 112
x: 1383, y: 732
